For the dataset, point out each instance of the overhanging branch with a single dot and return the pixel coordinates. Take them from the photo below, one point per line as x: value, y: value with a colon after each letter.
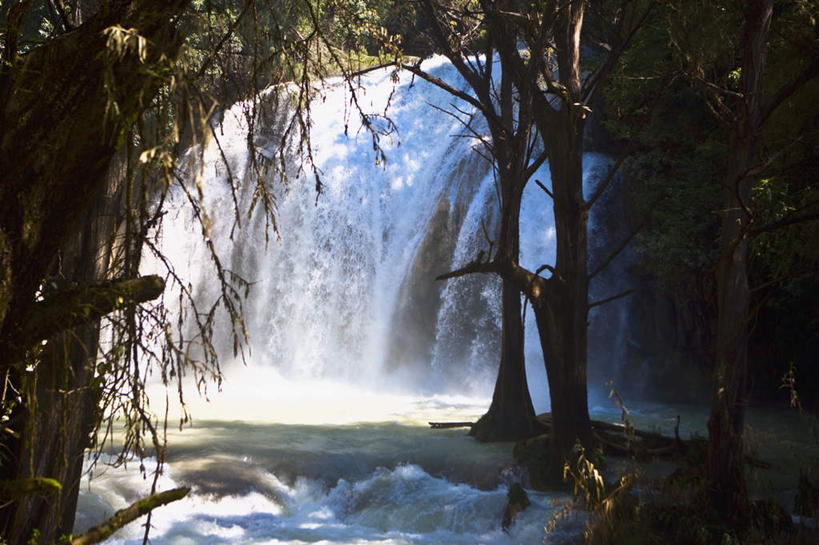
x: 438, y: 82
x: 129, y: 514
x: 472, y: 267
x: 83, y: 304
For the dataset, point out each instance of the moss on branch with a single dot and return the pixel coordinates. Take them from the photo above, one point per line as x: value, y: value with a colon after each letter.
x: 124, y: 516
x: 71, y: 307
x: 17, y: 488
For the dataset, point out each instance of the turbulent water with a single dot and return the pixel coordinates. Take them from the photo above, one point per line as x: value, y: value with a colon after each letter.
x: 367, y: 483
x: 322, y: 437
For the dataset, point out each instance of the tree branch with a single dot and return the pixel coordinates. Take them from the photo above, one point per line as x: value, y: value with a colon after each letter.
x: 129, y: 514
x: 471, y: 268
x: 59, y: 7
x: 610, y: 299
x: 545, y: 267
x: 448, y: 88
x: 13, y: 26
x: 475, y: 80
x: 601, y: 188
x: 79, y: 305
x: 532, y: 285
x: 810, y: 72
x: 373, y: 68
x: 544, y: 188
x: 594, y: 82
x: 784, y: 222
x: 17, y: 488
x: 616, y: 252
x: 536, y: 164
x: 466, y: 125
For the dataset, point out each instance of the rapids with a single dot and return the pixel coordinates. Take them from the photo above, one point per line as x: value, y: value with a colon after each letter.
x: 379, y: 483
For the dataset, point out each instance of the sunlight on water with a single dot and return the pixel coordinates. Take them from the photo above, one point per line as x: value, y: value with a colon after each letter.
x: 261, y: 394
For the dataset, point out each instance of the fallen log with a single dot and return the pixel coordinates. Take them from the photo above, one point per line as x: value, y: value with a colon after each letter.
x: 448, y: 425
x: 546, y: 420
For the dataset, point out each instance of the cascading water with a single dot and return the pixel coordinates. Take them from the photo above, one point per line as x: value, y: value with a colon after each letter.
x: 348, y: 325
x: 348, y: 292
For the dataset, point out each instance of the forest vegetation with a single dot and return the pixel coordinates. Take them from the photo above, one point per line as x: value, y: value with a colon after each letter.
x: 709, y: 111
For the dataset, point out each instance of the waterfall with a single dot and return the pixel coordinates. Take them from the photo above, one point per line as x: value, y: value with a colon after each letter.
x: 348, y: 293
x: 354, y: 346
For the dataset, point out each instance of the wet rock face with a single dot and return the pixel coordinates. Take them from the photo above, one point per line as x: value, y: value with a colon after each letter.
x: 421, y: 333
x: 654, y: 344
x: 420, y: 297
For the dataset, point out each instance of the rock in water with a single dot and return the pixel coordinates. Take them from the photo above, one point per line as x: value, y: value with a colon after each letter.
x: 517, y: 502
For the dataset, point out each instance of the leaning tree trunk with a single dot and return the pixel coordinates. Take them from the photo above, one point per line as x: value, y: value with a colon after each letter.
x: 726, y: 480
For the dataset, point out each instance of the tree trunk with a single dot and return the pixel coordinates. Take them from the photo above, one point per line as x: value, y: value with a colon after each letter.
x: 59, y: 133
x: 511, y: 416
x: 66, y: 397
x: 726, y: 480
x: 53, y: 154
x: 561, y: 310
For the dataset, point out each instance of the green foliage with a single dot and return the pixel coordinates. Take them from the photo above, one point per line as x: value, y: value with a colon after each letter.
x: 17, y: 488
x: 669, y: 106
x: 586, y: 480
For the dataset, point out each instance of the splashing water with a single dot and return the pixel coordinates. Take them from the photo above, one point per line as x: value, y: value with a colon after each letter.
x: 348, y: 294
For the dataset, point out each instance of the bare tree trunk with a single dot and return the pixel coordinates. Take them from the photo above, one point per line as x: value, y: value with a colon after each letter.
x: 726, y: 479
x: 511, y: 416
x: 562, y: 309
